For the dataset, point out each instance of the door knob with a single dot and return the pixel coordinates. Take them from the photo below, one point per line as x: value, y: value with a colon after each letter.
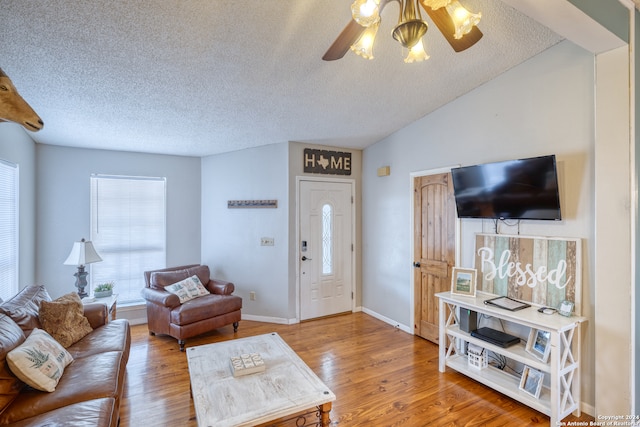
x: 416, y: 264
x: 304, y: 258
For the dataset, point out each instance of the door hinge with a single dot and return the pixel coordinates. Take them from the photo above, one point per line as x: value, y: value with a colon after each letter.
x: 351, y: 199
x: 351, y: 295
x: 352, y: 247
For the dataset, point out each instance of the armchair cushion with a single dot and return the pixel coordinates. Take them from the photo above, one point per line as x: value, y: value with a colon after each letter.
x: 188, y: 289
x: 203, y: 308
x: 162, y: 279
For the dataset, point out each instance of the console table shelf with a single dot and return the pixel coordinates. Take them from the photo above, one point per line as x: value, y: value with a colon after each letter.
x: 557, y: 399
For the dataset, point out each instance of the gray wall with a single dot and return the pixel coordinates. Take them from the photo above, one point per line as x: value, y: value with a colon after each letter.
x: 16, y: 146
x: 63, y: 205
x: 543, y: 106
x: 231, y: 237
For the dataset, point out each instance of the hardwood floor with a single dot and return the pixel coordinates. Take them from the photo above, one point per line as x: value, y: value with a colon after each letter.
x: 380, y: 375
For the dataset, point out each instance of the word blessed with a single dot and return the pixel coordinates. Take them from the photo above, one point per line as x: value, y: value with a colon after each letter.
x: 524, y: 275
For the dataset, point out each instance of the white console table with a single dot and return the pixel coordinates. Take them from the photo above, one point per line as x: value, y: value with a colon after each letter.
x: 561, y: 397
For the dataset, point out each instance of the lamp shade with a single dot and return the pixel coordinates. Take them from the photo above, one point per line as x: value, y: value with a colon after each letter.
x: 82, y: 253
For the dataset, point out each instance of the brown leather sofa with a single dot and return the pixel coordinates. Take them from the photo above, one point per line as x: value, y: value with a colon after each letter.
x: 165, y: 314
x: 91, y: 387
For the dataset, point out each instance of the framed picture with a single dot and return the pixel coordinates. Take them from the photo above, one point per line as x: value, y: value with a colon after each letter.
x: 539, y: 344
x: 531, y: 381
x: 566, y: 308
x: 463, y: 281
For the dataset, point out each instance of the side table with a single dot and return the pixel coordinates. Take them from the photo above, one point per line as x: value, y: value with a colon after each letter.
x: 110, y: 302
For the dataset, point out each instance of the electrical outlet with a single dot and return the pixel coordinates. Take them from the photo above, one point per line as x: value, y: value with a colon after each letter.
x: 266, y: 241
x: 252, y: 295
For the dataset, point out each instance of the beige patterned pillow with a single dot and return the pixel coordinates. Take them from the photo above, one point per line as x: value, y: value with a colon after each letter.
x: 64, y: 319
x: 39, y: 361
x: 188, y: 289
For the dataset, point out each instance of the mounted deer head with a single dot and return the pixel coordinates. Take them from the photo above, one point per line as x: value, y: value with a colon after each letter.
x: 15, y: 109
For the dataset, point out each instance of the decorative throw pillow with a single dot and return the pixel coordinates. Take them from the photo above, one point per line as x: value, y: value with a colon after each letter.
x: 39, y: 361
x: 188, y: 289
x: 64, y: 319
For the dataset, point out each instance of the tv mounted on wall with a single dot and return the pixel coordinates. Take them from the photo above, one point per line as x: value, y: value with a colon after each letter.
x: 514, y: 189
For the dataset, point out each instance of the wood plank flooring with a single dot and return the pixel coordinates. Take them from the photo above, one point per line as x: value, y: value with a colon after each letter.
x: 380, y: 375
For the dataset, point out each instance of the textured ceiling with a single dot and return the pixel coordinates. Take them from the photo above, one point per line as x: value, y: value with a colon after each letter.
x: 192, y: 77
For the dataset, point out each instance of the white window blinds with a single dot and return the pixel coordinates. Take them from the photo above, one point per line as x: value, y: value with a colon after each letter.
x: 128, y: 231
x: 8, y: 229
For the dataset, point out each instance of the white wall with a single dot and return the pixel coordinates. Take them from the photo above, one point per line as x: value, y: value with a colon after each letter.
x: 231, y: 237
x: 613, y: 311
x: 16, y: 146
x: 63, y: 195
x: 543, y: 106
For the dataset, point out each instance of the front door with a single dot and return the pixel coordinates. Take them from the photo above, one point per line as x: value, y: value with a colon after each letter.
x: 325, y: 248
x: 434, y: 248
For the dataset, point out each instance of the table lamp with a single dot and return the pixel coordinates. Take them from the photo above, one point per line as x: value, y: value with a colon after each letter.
x: 82, y: 253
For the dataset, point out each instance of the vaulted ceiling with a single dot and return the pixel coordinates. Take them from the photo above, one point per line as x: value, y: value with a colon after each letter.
x: 200, y: 77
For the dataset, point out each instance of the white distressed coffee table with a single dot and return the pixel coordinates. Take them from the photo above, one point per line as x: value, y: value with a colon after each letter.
x: 286, y: 387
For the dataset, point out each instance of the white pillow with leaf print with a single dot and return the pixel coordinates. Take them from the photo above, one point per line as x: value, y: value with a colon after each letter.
x: 188, y: 289
x: 39, y: 361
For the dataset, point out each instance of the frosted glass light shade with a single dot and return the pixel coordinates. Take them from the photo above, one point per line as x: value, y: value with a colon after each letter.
x: 365, y: 12
x: 417, y: 53
x: 463, y: 20
x: 82, y: 253
x: 364, y: 45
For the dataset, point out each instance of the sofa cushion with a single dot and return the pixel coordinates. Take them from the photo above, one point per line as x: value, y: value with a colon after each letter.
x: 187, y: 289
x: 39, y: 361
x: 64, y: 319
x: 95, y: 412
x: 205, y: 307
x: 161, y: 279
x: 11, y: 336
x: 93, y: 377
x: 23, y: 308
x: 114, y: 336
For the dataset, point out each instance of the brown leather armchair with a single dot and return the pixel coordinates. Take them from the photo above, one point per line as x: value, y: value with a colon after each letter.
x: 165, y: 314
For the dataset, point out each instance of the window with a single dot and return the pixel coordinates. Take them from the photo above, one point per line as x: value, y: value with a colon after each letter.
x: 128, y: 232
x: 8, y: 229
x: 327, y: 239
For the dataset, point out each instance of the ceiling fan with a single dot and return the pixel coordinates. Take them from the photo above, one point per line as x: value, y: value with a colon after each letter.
x: 457, y: 25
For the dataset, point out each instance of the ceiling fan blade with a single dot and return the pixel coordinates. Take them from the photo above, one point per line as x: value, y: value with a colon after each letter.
x: 347, y: 37
x: 443, y: 21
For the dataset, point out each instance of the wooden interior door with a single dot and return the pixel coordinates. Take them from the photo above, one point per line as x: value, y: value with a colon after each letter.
x: 434, y: 248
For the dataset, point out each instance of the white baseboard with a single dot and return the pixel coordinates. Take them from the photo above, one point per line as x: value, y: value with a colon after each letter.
x: 135, y: 314
x: 391, y: 322
x: 268, y: 319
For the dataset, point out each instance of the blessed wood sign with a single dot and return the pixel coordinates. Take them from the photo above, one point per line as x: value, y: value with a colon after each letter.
x: 327, y: 162
x: 544, y: 271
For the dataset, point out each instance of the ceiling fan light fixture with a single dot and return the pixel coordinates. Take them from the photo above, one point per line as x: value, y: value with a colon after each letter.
x: 411, y: 27
x: 408, y: 34
x: 436, y: 4
x: 365, y: 12
x: 364, y: 45
x: 463, y: 20
x: 417, y: 53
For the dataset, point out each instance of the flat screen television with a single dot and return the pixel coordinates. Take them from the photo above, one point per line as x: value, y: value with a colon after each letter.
x: 514, y: 189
